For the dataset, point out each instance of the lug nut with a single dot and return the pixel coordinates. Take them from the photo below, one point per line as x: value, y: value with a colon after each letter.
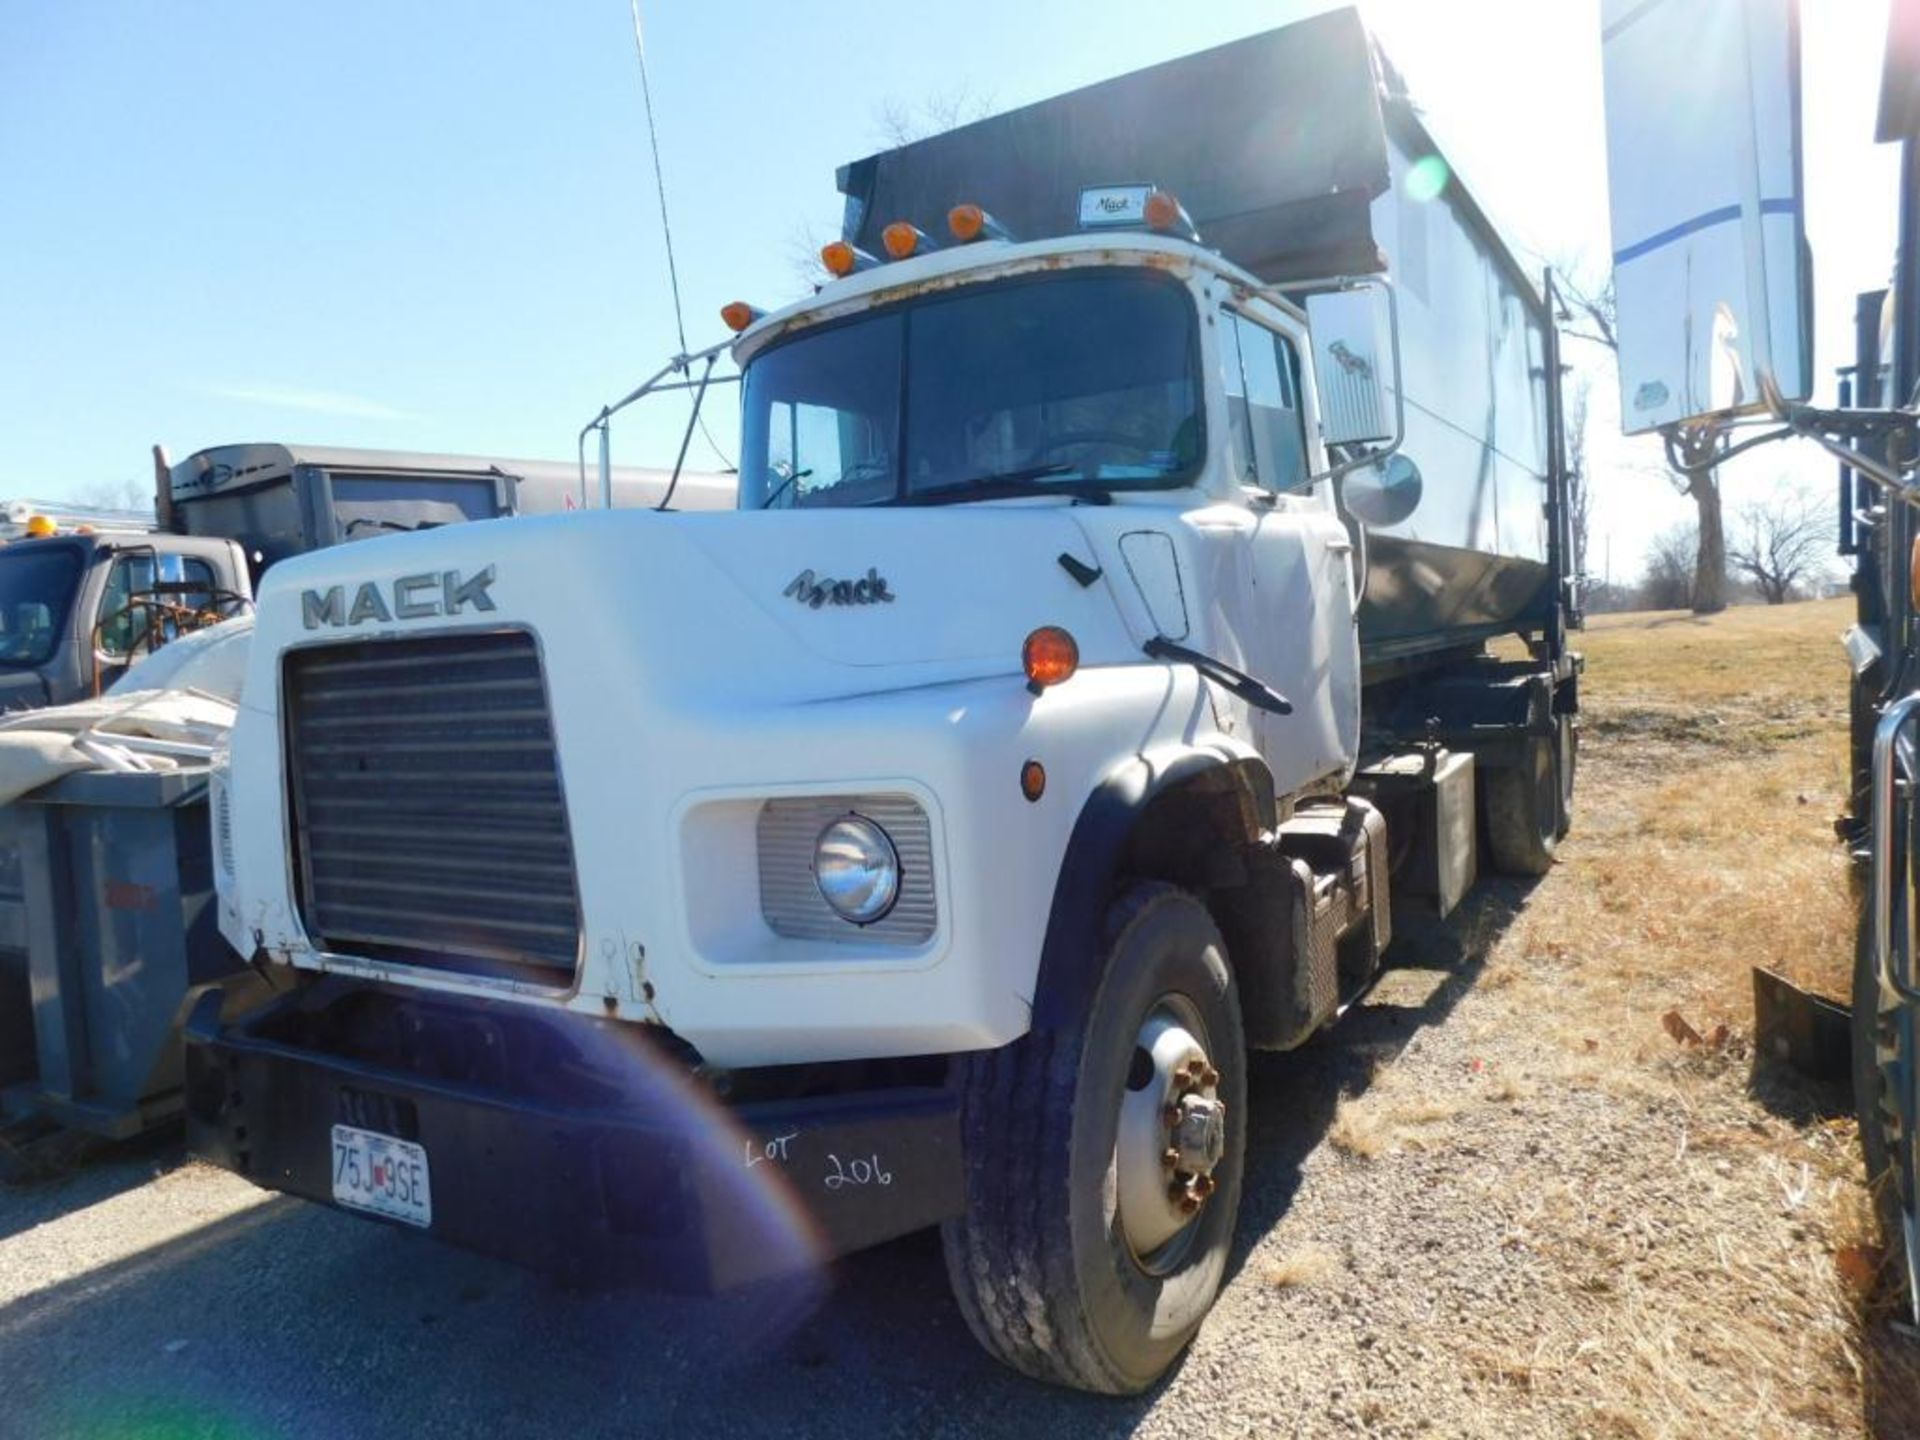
x: 1210, y: 1077
x: 1204, y: 1185
x: 1171, y: 1115
x: 1170, y: 1158
x: 1188, y: 1202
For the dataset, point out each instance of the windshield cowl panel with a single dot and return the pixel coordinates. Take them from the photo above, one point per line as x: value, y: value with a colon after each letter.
x: 1080, y: 382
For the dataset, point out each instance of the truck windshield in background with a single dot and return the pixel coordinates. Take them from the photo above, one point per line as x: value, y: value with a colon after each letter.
x: 370, y: 505
x: 1062, y: 379
x: 37, y: 585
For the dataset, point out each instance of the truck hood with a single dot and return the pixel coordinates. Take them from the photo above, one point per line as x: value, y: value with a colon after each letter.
x: 737, y: 606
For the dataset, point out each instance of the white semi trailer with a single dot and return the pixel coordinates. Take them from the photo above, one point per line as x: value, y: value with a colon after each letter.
x: 1099, y: 642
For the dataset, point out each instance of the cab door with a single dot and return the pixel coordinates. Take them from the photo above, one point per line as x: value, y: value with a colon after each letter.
x: 1303, y: 641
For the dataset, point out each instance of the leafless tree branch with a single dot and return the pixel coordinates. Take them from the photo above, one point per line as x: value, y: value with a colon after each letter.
x: 1782, y: 542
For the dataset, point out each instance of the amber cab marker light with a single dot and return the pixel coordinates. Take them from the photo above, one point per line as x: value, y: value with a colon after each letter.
x: 1033, y: 780
x: 842, y: 259
x: 739, y: 315
x: 966, y: 222
x: 1049, y: 657
x: 902, y: 239
x: 1162, y: 211
x: 970, y: 223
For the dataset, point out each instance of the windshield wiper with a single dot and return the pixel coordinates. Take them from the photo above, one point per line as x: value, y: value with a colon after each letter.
x: 1009, y: 485
x: 375, y: 523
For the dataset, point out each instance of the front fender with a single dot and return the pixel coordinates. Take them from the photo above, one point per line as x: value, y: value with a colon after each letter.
x: 1075, y: 944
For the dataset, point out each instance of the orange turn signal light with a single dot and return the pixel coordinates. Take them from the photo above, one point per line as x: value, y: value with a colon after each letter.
x: 903, y: 238
x: 1049, y: 657
x: 739, y: 315
x: 840, y: 258
x: 1033, y: 780
x: 1162, y: 211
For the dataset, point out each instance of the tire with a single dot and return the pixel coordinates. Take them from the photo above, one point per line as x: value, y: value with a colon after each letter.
x: 1523, y: 810
x: 1882, y: 1031
x: 1567, y: 758
x: 1043, y: 1262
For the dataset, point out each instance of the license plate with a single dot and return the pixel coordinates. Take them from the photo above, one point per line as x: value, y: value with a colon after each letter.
x: 381, y: 1175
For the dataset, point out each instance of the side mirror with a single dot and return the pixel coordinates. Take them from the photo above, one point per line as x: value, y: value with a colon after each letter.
x: 1356, y: 357
x: 1703, y: 161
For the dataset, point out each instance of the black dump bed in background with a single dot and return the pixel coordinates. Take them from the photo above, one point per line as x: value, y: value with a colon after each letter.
x: 1298, y: 156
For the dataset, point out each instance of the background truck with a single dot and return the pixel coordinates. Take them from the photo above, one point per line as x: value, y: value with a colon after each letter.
x: 1709, y: 241
x: 1100, y: 648
x: 78, y: 604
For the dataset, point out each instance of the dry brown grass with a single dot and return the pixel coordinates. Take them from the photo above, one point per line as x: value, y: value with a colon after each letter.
x: 1381, y: 1121
x: 1309, y: 1265
x: 1703, y: 1286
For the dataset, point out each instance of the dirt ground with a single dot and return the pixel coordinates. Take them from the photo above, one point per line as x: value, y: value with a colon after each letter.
x: 1509, y: 1196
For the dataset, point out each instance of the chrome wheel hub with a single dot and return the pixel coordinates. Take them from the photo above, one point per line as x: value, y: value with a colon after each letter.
x: 1172, y: 1133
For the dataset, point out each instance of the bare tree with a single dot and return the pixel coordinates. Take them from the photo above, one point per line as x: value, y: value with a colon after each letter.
x: 1579, y: 490
x: 899, y: 122
x: 1781, y: 542
x: 803, y: 256
x: 122, y: 494
x: 1594, y: 316
x: 1667, y: 582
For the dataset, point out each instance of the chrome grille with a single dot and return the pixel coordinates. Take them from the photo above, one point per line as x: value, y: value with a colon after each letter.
x: 426, y: 792
x: 792, y: 903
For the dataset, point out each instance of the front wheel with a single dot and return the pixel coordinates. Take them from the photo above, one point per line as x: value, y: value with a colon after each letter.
x: 1104, y: 1161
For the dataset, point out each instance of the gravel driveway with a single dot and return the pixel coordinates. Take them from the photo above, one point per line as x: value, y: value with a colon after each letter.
x: 146, y: 1289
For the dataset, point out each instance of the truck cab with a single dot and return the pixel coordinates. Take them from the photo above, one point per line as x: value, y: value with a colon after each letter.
x: 77, y: 608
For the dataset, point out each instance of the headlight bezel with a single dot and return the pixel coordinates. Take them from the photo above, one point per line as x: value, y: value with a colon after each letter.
x: 860, y: 880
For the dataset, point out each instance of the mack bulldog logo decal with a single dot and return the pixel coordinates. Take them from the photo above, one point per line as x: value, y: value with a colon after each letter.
x: 415, y: 597
x: 813, y: 590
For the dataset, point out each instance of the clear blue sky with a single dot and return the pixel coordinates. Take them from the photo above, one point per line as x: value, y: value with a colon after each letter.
x: 432, y: 225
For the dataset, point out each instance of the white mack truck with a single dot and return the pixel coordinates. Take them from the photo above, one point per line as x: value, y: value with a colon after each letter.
x: 1100, y: 641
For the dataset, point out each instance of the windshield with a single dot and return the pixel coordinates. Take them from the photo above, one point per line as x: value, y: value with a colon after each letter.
x: 36, y: 591
x: 1065, y: 380
x: 370, y: 505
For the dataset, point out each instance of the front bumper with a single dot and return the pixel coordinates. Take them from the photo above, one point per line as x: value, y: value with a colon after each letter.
x: 579, y: 1148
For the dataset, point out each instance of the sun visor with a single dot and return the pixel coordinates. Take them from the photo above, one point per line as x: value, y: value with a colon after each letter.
x: 1275, y: 145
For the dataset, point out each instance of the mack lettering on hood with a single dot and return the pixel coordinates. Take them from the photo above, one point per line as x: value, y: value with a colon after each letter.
x: 415, y: 597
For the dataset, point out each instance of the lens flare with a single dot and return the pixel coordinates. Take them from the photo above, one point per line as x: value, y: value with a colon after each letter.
x: 1426, y: 178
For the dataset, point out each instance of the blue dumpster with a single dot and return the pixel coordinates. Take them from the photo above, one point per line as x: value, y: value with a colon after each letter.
x: 107, y: 936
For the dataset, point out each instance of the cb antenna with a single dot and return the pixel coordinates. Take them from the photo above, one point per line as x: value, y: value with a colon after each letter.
x: 659, y: 180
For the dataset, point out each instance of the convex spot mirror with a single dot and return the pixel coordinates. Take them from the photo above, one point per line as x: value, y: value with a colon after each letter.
x: 1383, y: 494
